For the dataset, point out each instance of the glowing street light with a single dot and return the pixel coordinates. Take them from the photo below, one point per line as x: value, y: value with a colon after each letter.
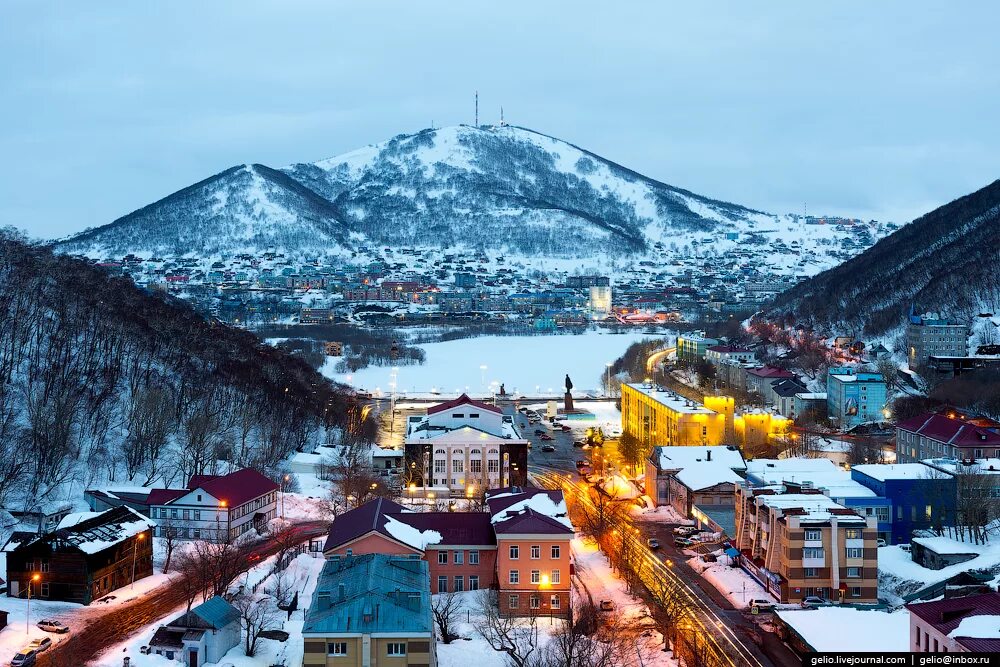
x: 135, y: 547
x: 27, y: 612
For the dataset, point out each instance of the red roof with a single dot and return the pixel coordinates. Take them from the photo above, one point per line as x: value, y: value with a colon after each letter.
x: 235, y: 488
x: 462, y: 400
x: 946, y: 615
x: 164, y: 496
x: 942, y: 428
x: 770, y: 372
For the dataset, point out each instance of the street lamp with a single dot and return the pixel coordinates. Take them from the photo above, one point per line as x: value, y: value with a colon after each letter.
x: 608, y: 390
x: 27, y: 612
x: 135, y: 547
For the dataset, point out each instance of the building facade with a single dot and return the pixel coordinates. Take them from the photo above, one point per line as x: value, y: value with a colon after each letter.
x: 956, y: 625
x: 659, y: 417
x: 920, y: 497
x: 951, y: 433
x: 854, y: 397
x: 692, y: 347
x: 929, y: 335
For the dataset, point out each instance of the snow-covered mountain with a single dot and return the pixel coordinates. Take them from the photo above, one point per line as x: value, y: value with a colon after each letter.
x: 488, y: 187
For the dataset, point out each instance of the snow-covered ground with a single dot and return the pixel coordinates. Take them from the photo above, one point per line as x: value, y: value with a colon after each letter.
x: 607, y: 416
x: 860, y: 630
x: 893, y: 560
x: 733, y: 582
x: 526, y: 365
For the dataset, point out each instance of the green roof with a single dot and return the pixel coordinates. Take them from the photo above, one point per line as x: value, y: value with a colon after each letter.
x: 371, y: 593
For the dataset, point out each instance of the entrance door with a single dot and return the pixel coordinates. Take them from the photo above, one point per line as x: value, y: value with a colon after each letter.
x: 193, y: 658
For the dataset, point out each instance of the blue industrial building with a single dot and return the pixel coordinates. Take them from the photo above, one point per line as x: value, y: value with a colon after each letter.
x: 920, y: 496
x: 854, y: 397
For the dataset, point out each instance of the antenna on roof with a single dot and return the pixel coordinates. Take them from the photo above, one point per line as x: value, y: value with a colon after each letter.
x: 502, y: 122
x: 477, y: 109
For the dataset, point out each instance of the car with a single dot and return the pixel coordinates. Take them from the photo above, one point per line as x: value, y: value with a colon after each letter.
x: 682, y: 542
x: 579, y: 443
x: 38, y: 645
x: 762, y: 604
x: 880, y: 542
x: 539, y: 431
x: 582, y: 463
x: 684, y: 531
x: 546, y: 436
x: 23, y: 659
x: 52, y: 626
x: 548, y: 448
x: 653, y: 543
x: 565, y: 428
x: 607, y: 605
x: 812, y: 601
x: 904, y: 548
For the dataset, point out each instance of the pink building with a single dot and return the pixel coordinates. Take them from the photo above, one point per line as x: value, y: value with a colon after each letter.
x: 968, y: 624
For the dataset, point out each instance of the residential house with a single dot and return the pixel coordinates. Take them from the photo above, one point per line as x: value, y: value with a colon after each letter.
x: 919, y: 496
x: 533, y: 534
x: 202, y: 635
x: 698, y: 482
x: 952, y: 434
x: 719, y: 354
x: 802, y: 543
x: 459, y: 547
x: 87, y: 556
x: 956, y: 625
x: 463, y: 447
x: 854, y: 397
x: 216, y: 506
x: 758, y: 381
x: 370, y: 609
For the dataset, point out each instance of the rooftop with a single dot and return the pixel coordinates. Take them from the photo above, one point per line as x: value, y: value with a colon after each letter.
x: 460, y: 401
x: 953, y: 431
x: 670, y: 400
x: 889, y: 471
x: 810, y: 507
x: 527, y: 510
x: 90, y: 532
x: 821, y: 473
x: 949, y: 614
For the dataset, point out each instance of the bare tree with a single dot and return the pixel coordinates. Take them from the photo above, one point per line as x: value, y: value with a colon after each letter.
x: 515, y: 637
x: 673, y: 605
x: 192, y: 579
x: 168, y: 533
x: 445, y: 608
x: 257, y: 614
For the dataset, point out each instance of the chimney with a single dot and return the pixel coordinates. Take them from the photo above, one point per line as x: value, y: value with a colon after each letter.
x: 341, y: 592
x: 709, y: 457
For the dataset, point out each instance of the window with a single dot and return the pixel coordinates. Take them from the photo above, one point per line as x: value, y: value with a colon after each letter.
x: 492, y: 465
x: 458, y: 415
x: 459, y: 584
x: 555, y: 576
x: 809, y: 572
x: 512, y: 601
x: 899, y: 512
x: 442, y: 557
x: 514, y: 551
x: 439, y: 466
x: 173, y: 513
x: 882, y: 514
x: 927, y: 512
x: 555, y: 551
x: 476, y: 466
x: 853, y: 533
x: 812, y: 552
x: 534, y: 601
x: 855, y: 553
x: 197, y: 515
x: 536, y: 576
x: 536, y: 552
x: 45, y: 589
x: 854, y: 572
x: 555, y: 602
x: 514, y: 577
x: 395, y: 648
x: 473, y: 582
x: 458, y: 465
x: 459, y: 557
x: 336, y: 648
x: 187, y: 514
x: 43, y: 566
x: 855, y: 591
x: 350, y: 552
x: 814, y: 535
x: 442, y: 583
x: 197, y: 533
x: 473, y: 558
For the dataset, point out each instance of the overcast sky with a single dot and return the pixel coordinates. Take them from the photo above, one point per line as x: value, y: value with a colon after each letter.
x: 883, y: 109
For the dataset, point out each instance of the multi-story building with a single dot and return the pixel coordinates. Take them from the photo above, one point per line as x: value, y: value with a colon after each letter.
x: 718, y: 354
x: 600, y: 301
x: 215, y: 507
x: 952, y: 434
x: 533, y: 533
x: 758, y: 381
x: 854, y: 397
x: 370, y: 609
x: 805, y: 544
x: 692, y: 347
x: 695, y: 480
x: 463, y: 447
x: 920, y: 497
x: 587, y: 281
x: 930, y: 335
x: 660, y: 417
x: 956, y: 625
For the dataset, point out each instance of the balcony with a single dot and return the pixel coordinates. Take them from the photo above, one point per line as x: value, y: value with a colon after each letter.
x: 814, y: 562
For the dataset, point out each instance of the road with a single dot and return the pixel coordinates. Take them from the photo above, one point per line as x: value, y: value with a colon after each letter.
x: 120, y: 624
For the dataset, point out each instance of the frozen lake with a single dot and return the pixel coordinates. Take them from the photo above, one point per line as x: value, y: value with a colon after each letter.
x: 529, y: 365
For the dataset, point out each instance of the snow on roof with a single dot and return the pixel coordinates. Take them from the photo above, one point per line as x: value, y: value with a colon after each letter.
x: 670, y: 400
x: 978, y: 467
x: 418, y: 539
x: 75, y: 518
x: 946, y: 545
x: 869, y: 630
x: 821, y: 473
x: 706, y: 474
x: 681, y: 457
x: 539, y: 502
x: 883, y: 472
x: 817, y: 507
x: 978, y: 627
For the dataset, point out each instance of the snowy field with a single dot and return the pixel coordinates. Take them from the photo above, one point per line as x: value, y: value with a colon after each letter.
x: 528, y: 365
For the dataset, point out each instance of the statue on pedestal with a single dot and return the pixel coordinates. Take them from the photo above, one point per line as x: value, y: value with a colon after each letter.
x: 568, y: 398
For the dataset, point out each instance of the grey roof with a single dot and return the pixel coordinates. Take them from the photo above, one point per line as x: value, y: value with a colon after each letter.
x: 371, y: 593
x: 213, y: 614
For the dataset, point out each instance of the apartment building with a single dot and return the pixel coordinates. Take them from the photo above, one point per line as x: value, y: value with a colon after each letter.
x: 952, y: 434
x: 854, y: 397
x: 462, y: 447
x: 718, y: 354
x: 805, y: 544
x: 533, y: 533
x: 956, y: 625
x: 691, y: 479
x: 930, y: 335
x: 660, y: 417
x: 692, y: 347
x: 371, y: 609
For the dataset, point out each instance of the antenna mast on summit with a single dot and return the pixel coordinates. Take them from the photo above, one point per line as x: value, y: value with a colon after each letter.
x: 502, y: 123
x: 477, y: 108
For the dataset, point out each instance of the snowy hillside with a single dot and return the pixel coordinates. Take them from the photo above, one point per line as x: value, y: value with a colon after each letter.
x: 502, y: 189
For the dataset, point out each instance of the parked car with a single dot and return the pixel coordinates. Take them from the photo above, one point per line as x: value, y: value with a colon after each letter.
x: 582, y: 463
x: 52, y: 626
x: 812, y: 601
x: 684, y: 531
x: 682, y: 542
x: 905, y: 548
x: 38, y: 645
x: 579, y: 443
x: 548, y: 448
x: 607, y: 605
x: 539, y: 431
x: 762, y: 604
x: 22, y: 659
x: 565, y: 428
x: 880, y: 542
x: 653, y: 543
x: 545, y: 436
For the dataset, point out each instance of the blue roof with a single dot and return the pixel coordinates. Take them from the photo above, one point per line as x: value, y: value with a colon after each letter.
x: 213, y: 614
x: 371, y: 593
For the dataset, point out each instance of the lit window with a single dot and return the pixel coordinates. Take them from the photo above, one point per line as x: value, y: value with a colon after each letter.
x: 336, y: 648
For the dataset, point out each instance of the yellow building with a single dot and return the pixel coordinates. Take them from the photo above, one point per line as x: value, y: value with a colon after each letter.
x: 658, y: 417
x: 725, y: 406
x: 757, y: 429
